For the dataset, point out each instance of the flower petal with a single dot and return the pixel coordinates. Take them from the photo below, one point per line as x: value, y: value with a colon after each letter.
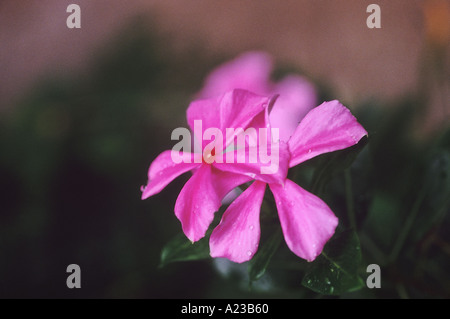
x: 307, y: 222
x: 297, y: 97
x: 163, y: 170
x: 249, y: 71
x: 326, y: 128
x: 201, y: 197
x: 239, y: 107
x: 270, y: 165
x: 251, y: 132
x: 232, y: 110
x: 201, y: 115
x: 237, y: 235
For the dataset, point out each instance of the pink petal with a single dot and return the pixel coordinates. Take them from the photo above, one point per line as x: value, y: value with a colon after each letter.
x: 163, y: 170
x: 224, y: 182
x: 237, y: 235
x: 296, y: 97
x: 262, y: 156
x: 206, y: 111
x: 326, y: 128
x: 201, y: 197
x: 274, y: 169
x: 233, y: 109
x: 307, y: 222
x: 260, y: 121
x: 239, y: 107
x: 249, y: 71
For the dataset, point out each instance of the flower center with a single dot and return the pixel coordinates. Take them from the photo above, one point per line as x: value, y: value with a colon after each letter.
x: 208, y: 157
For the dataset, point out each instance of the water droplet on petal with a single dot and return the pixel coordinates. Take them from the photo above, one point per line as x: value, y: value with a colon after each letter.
x: 249, y: 253
x: 195, y: 209
x: 251, y: 227
x: 309, y: 151
x: 251, y: 175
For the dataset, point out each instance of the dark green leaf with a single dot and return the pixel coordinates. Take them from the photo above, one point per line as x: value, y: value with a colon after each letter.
x: 258, y: 264
x: 335, y: 270
x: 181, y: 249
x: 333, y: 163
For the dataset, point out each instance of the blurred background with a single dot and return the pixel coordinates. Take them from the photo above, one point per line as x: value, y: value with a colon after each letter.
x: 83, y: 112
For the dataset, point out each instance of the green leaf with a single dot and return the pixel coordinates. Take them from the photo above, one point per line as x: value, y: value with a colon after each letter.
x: 258, y: 264
x: 335, y: 270
x: 330, y: 164
x: 181, y: 249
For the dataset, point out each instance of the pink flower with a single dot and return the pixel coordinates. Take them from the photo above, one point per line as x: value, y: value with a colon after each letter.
x: 307, y: 222
x: 251, y: 71
x: 202, y: 194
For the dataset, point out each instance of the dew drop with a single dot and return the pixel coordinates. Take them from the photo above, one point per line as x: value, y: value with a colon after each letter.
x: 309, y: 151
x: 249, y: 253
x: 251, y: 227
x: 195, y: 209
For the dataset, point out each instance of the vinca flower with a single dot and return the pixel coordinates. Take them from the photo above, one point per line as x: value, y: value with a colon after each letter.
x: 213, y: 177
x: 306, y: 221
